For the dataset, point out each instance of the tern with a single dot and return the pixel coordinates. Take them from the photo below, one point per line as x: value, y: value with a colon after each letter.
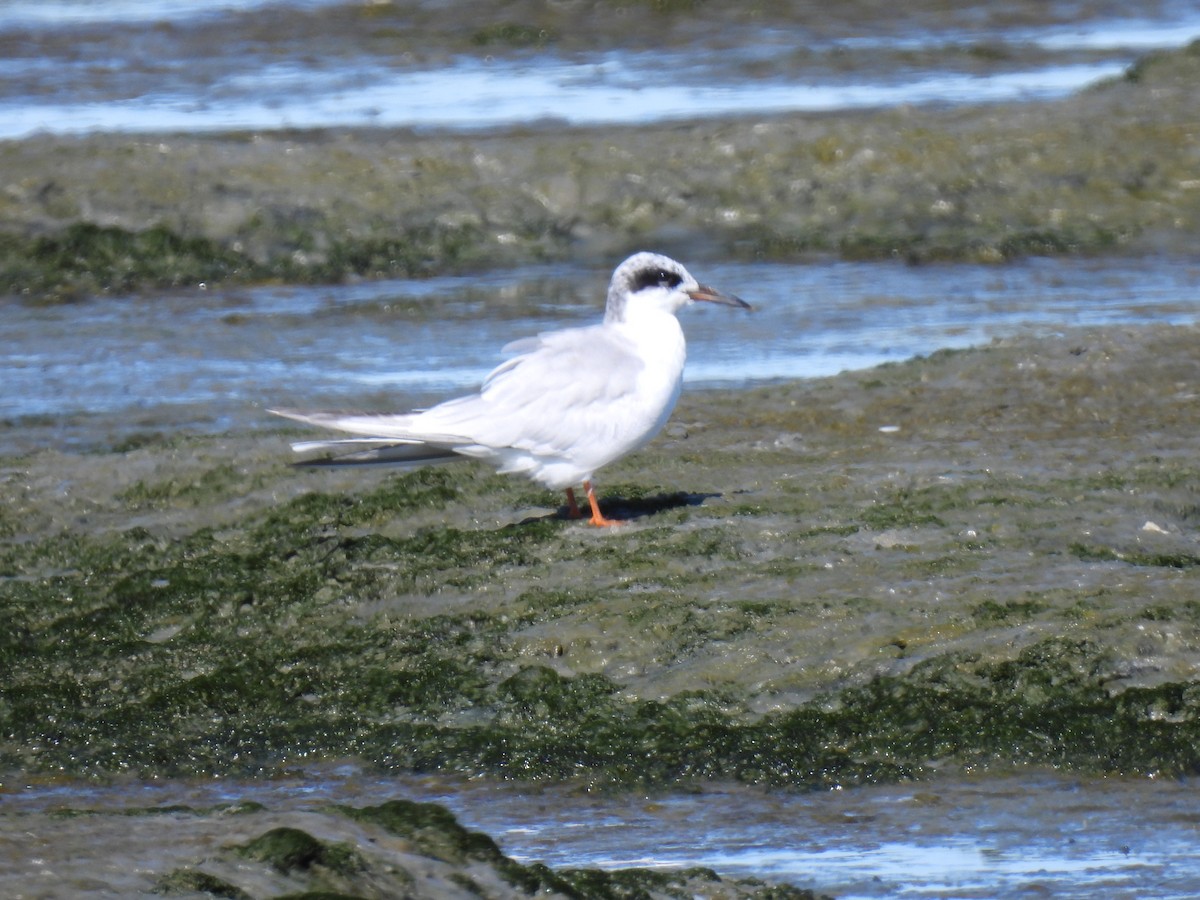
x: 564, y: 405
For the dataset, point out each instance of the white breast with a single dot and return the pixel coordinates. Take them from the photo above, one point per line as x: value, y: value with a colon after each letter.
x: 662, y: 349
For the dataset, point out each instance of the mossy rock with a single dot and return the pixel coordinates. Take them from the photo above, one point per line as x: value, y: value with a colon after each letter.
x: 189, y: 881
x: 431, y: 827
x: 291, y: 850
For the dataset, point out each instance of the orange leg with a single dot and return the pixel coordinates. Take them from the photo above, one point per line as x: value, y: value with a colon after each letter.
x: 572, y: 507
x: 597, y: 518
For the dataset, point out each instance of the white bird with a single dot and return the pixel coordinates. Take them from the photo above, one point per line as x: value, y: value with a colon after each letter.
x: 567, y: 403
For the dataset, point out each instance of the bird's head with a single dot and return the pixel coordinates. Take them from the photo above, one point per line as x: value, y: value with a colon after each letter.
x: 652, y: 281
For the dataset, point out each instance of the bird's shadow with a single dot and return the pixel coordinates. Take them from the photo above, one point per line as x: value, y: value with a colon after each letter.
x: 630, y: 509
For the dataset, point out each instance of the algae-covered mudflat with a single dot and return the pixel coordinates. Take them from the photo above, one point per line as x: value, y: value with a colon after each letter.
x: 973, y: 563
x: 981, y: 558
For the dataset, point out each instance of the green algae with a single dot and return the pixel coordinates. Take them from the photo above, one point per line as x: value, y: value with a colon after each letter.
x: 190, y: 881
x: 432, y: 828
x: 1049, y: 706
x: 914, y: 602
x: 646, y: 884
x: 1163, y: 67
x: 1108, y: 554
x: 512, y: 34
x: 292, y: 849
x: 196, y: 488
x: 84, y: 259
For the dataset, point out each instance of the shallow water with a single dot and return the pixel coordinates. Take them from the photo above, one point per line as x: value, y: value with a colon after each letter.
x: 1000, y: 836
x: 57, y: 13
x: 71, y: 68
x: 477, y: 95
x: 401, y: 344
x: 987, y: 837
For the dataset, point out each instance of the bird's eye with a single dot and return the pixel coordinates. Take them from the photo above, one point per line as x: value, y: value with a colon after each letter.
x: 656, y: 278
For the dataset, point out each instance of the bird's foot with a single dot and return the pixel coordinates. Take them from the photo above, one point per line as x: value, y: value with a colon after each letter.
x: 601, y: 522
x: 598, y: 518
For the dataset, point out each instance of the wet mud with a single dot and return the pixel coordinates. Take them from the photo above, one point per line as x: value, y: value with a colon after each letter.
x: 981, y: 557
x: 1111, y: 169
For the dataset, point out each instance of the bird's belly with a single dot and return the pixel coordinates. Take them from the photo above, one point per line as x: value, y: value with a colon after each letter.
x: 634, y: 422
x: 616, y: 423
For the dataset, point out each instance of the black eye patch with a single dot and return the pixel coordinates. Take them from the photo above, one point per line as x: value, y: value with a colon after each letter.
x: 655, y: 278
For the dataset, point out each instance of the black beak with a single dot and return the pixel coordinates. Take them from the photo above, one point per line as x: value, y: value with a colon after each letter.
x: 712, y: 295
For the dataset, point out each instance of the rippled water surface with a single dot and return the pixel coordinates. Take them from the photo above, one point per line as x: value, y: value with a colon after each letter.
x: 476, y: 95
x: 73, y: 67
x: 394, y: 345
